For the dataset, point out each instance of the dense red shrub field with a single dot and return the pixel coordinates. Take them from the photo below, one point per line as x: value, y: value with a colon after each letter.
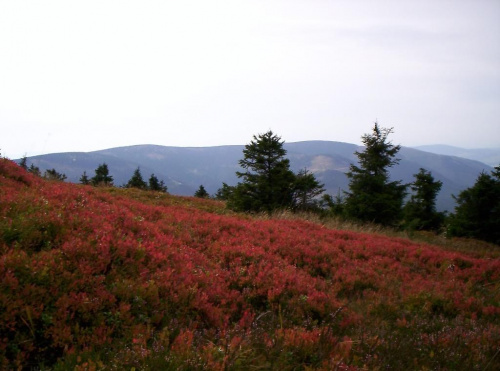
x: 107, y: 278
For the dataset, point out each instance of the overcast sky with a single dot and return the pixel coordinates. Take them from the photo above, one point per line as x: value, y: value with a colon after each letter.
x: 88, y: 75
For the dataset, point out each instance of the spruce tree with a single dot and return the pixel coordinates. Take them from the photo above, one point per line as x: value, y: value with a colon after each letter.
x: 24, y: 162
x: 136, y: 181
x: 156, y: 185
x: 35, y: 170
x: 201, y: 192
x: 372, y: 197
x: 224, y: 193
x: 306, y: 189
x: 477, y: 214
x: 420, y: 211
x: 267, y: 179
x: 102, y: 176
x: 52, y: 174
x: 84, y: 179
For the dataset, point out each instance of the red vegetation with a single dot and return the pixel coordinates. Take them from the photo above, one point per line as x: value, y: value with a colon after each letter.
x: 95, y: 277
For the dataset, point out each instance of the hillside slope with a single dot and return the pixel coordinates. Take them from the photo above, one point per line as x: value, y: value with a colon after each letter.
x: 184, y: 169
x: 120, y: 278
x: 489, y: 156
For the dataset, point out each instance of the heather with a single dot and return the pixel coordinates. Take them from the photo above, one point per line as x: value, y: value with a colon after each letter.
x: 107, y: 278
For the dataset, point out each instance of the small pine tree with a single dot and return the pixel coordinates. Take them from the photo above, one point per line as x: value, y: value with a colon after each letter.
x: 224, y: 193
x: 52, y: 174
x: 156, y: 185
x: 372, y: 197
x: 420, y: 211
x: 102, y: 177
x: 136, y: 181
x: 201, y: 192
x: 333, y: 206
x: 24, y: 162
x: 35, y: 170
x: 306, y: 189
x: 84, y: 179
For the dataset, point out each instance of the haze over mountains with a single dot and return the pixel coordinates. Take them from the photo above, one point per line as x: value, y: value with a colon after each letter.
x: 490, y: 156
x: 184, y: 169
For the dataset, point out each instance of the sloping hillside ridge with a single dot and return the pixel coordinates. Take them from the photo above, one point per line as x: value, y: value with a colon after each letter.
x: 489, y: 156
x: 183, y: 169
x: 95, y: 277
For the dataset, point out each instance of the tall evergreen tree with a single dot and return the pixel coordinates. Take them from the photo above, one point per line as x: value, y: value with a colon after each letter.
x: 136, y: 181
x: 102, y: 176
x: 201, y: 192
x: 156, y: 185
x: 420, y: 211
x: 267, y: 179
x: 372, y: 197
x: 477, y: 214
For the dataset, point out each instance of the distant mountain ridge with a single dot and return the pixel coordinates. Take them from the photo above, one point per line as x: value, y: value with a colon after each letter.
x: 489, y: 156
x: 184, y: 169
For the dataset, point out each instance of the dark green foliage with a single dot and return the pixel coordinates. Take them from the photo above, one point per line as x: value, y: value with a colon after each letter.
x: 24, y: 162
x: 84, y: 179
x: 136, y: 181
x: 372, y: 197
x: 201, y: 192
x: 224, y: 193
x: 306, y: 189
x: 334, y: 206
x: 35, y: 170
x: 102, y: 176
x: 477, y: 214
x: 267, y: 180
x: 156, y: 185
x: 420, y: 211
x: 52, y: 174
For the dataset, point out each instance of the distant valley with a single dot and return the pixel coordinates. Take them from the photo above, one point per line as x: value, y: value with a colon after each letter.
x: 184, y: 169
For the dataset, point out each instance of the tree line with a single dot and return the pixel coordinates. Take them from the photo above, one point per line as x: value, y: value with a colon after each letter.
x: 101, y: 177
x: 268, y: 185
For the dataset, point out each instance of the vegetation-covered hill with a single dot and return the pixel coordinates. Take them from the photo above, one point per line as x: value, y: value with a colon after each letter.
x: 107, y: 278
x: 184, y: 169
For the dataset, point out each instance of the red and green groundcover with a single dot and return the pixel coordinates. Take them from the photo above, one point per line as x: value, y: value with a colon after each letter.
x: 107, y: 278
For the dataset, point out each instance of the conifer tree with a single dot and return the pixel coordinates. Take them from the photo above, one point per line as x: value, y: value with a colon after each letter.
x: 102, y: 176
x: 306, y: 189
x: 420, y: 211
x: 35, y: 170
x: 477, y: 214
x: 267, y: 179
x: 136, y: 181
x: 224, y: 193
x: 372, y: 197
x: 84, y: 179
x: 24, y: 162
x: 156, y: 185
x: 201, y: 192
x: 52, y: 174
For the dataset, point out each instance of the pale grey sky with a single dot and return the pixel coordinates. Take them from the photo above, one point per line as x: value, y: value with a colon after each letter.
x: 88, y: 75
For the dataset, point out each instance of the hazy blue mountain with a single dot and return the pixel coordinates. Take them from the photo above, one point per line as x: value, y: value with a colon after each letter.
x: 490, y: 156
x: 184, y: 169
